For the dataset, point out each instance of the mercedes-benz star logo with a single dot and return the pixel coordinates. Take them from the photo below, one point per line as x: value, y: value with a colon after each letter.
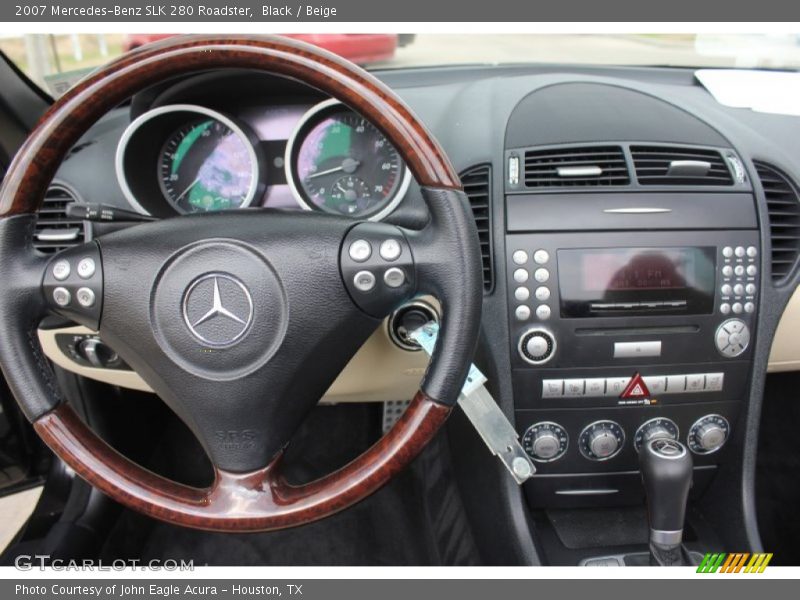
x: 217, y: 309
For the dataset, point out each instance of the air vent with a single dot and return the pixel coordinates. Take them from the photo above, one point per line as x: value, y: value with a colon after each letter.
x: 669, y: 165
x: 783, y: 206
x: 477, y: 183
x: 576, y: 167
x: 54, y: 230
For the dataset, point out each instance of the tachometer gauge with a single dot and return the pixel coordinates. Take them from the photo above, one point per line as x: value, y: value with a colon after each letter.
x: 205, y: 165
x: 340, y: 163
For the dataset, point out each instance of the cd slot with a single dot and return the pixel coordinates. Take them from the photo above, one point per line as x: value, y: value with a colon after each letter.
x: 648, y: 305
x: 614, y: 331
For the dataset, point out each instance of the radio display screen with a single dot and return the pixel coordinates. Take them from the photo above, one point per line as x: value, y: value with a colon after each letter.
x: 598, y: 282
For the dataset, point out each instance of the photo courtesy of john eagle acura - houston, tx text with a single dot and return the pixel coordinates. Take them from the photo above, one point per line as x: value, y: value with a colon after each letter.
x: 380, y: 299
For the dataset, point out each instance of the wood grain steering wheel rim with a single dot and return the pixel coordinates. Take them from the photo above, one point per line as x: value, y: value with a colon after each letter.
x: 258, y: 500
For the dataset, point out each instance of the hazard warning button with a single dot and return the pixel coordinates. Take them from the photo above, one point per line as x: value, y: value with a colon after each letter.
x: 636, y: 388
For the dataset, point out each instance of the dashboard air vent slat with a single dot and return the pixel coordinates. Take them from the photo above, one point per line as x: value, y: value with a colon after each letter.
x: 783, y: 206
x: 576, y: 167
x: 664, y: 165
x: 477, y: 182
x: 54, y: 230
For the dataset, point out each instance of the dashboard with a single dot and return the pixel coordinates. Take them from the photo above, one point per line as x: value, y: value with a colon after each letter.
x: 640, y: 242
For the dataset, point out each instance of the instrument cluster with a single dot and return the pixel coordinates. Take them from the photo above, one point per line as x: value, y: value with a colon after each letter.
x: 188, y: 158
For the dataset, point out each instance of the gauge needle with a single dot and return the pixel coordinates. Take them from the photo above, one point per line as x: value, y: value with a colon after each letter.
x: 186, y: 191
x: 348, y: 165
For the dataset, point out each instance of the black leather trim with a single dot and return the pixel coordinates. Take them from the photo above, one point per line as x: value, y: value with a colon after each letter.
x: 22, y: 306
x: 448, y: 261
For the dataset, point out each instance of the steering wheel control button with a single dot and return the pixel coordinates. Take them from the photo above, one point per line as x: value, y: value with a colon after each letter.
x: 390, y: 250
x: 543, y: 312
x: 601, y: 440
x: 540, y: 257
x: 545, y: 441
x: 537, y: 346
x: 360, y: 251
x: 521, y: 275
x: 86, y: 268
x: 522, y: 294
x: 394, y: 277
x: 62, y: 296
x: 541, y: 275
x: 523, y: 313
x: 61, y: 270
x: 520, y: 257
x: 86, y: 297
x: 364, y: 281
x: 732, y: 337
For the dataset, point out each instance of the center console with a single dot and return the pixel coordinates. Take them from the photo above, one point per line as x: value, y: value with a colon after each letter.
x: 634, y: 324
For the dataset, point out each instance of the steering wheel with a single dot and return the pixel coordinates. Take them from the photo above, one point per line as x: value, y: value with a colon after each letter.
x: 239, y: 321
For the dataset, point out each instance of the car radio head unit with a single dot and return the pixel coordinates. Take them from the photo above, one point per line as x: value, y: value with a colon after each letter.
x: 595, y: 282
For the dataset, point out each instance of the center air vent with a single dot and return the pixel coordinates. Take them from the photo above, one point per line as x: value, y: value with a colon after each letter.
x: 54, y: 230
x: 783, y: 206
x: 477, y: 183
x: 669, y: 165
x: 576, y: 167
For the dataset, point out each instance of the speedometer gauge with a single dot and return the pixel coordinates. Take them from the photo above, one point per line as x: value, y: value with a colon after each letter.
x: 341, y: 163
x: 207, y: 166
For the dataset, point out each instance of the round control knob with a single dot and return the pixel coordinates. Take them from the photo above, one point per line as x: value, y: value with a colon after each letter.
x: 708, y: 434
x: 659, y: 427
x: 545, y: 441
x: 537, y: 346
x: 732, y: 337
x: 601, y: 440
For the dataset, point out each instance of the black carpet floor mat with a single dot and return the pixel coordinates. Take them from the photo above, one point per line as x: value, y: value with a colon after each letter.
x: 417, y: 519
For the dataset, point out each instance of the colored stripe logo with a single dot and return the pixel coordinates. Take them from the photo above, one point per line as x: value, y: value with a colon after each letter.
x: 736, y: 562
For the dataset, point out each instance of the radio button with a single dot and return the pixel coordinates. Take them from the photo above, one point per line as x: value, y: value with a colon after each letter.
x: 522, y: 313
x: 676, y: 384
x: 695, y: 383
x: 750, y: 289
x: 714, y: 382
x: 752, y: 251
x: 595, y: 387
x: 542, y: 293
x: 738, y: 289
x: 726, y: 290
x: 522, y: 294
x: 740, y: 251
x: 737, y: 308
x: 739, y: 270
x: 727, y: 271
x: 543, y: 312
x: 520, y: 257
x: 552, y: 388
x: 752, y: 270
x: 540, y: 257
x: 573, y: 388
x: 541, y: 275
x: 727, y: 252
x: 656, y: 384
x: 749, y: 307
x: 636, y: 349
x: 725, y: 308
x: 521, y: 275
x: 616, y: 385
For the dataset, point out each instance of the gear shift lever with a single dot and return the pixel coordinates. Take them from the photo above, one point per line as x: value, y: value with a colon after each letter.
x: 666, y: 467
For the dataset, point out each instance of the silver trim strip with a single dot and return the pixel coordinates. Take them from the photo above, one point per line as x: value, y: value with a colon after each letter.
x: 688, y: 168
x: 287, y: 164
x: 119, y: 165
x: 587, y: 492
x: 58, y: 235
x: 666, y: 538
x: 637, y: 210
x: 587, y: 171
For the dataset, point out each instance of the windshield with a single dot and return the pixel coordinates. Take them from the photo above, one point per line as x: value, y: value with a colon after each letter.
x: 56, y: 62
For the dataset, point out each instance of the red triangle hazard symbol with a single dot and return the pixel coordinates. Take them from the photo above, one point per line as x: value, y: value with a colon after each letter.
x: 636, y: 388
